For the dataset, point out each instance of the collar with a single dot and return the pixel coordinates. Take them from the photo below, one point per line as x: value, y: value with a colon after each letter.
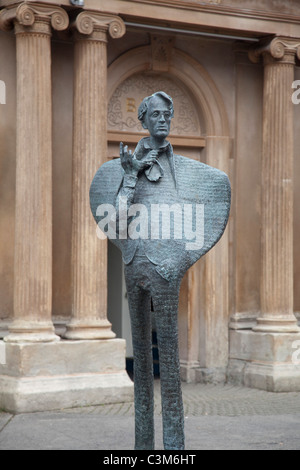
x: 144, y: 145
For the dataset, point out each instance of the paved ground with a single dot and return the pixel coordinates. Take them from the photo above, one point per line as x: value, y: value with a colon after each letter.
x: 217, y: 417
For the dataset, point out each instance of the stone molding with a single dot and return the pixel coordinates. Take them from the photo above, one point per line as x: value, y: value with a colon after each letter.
x: 28, y: 15
x: 277, y: 48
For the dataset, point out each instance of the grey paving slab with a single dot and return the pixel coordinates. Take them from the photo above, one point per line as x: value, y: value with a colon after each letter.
x: 216, y: 418
x: 52, y: 431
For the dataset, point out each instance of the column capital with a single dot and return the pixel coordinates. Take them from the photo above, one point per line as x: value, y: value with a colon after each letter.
x: 27, y: 15
x: 88, y: 23
x: 278, y: 48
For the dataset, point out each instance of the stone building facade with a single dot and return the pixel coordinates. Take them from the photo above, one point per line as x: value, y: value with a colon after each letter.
x: 71, y: 79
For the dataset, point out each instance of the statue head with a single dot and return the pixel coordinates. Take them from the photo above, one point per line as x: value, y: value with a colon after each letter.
x: 155, y: 113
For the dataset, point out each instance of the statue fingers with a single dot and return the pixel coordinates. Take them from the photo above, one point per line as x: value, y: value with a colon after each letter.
x: 121, y: 150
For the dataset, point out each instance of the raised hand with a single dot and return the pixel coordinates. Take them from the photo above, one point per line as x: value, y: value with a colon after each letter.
x: 132, y: 165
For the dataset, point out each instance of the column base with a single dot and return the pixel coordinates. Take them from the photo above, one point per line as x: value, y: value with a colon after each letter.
x: 265, y: 360
x: 243, y: 320
x: 273, y: 378
x: 277, y: 325
x: 66, y: 374
x: 192, y: 372
x: 84, y: 329
x: 188, y: 371
x: 31, y: 332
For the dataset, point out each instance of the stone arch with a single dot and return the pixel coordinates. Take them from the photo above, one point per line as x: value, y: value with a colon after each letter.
x: 183, y: 68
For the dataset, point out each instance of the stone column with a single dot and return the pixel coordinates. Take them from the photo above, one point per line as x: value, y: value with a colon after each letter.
x: 277, y: 186
x: 33, y: 222
x: 89, y: 254
x: 264, y: 356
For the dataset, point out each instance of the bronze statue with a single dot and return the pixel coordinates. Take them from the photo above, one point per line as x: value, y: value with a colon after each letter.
x: 164, y: 212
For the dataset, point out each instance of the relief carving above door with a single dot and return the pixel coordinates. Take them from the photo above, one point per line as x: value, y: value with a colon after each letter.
x: 123, y: 106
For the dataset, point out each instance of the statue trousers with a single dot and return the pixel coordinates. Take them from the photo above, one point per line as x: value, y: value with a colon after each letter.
x: 144, y: 283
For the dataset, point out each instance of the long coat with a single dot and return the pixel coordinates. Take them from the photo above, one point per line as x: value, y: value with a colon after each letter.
x: 197, y: 184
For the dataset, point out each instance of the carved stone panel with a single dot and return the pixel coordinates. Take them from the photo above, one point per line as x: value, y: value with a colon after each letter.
x: 123, y: 106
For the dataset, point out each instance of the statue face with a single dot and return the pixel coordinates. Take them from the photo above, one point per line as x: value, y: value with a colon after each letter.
x: 158, y: 118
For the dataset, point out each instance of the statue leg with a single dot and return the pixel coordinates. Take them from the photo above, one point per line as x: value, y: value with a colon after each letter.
x: 165, y: 301
x: 141, y: 326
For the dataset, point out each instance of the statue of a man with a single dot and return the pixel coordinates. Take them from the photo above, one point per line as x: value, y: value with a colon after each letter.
x: 168, y: 211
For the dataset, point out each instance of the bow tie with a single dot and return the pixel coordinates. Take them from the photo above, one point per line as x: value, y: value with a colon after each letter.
x: 155, y: 170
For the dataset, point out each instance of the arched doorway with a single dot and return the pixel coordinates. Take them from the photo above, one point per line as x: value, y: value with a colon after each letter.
x: 199, y: 130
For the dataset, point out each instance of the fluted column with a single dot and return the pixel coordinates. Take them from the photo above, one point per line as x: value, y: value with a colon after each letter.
x: 89, y: 254
x: 33, y: 222
x: 277, y: 186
